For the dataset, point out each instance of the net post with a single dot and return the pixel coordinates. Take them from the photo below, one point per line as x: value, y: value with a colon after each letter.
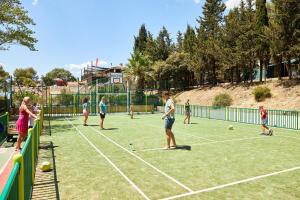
x: 128, y: 95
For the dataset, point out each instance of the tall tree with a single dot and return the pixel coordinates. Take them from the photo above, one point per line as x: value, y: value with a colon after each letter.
x: 246, y: 41
x: 164, y: 44
x: 26, y: 76
x: 61, y: 73
x: 262, y: 43
x: 288, y: 19
x: 230, y: 53
x: 211, y: 22
x: 190, y: 40
x: 14, y: 25
x: 141, y: 40
x: 151, y: 48
x: 274, y: 34
x: 192, y: 56
x: 179, y: 42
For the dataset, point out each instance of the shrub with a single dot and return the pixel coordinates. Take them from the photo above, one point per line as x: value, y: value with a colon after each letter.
x: 222, y: 99
x: 261, y: 93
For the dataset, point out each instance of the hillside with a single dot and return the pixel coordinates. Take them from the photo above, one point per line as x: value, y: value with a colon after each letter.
x: 284, y: 95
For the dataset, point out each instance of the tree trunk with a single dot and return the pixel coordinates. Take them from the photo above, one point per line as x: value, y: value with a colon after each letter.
x: 251, y: 72
x: 289, y: 66
x: 214, y: 72
x: 238, y: 75
x: 201, y: 78
x: 266, y: 63
x: 278, y: 61
x: 231, y: 74
x: 260, y: 69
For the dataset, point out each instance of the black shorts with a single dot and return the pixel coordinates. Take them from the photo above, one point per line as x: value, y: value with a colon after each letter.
x: 102, y: 115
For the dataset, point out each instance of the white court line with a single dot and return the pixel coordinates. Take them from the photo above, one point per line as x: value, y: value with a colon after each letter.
x: 188, y: 134
x: 150, y: 165
x: 231, y: 140
x: 231, y: 184
x: 206, y: 143
x: 6, y: 163
x: 154, y: 149
x: 110, y: 162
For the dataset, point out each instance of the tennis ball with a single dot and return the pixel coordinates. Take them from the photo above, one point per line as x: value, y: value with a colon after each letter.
x: 45, y: 166
x: 230, y: 127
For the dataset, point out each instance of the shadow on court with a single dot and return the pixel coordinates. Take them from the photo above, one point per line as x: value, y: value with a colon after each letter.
x: 183, y: 147
x: 46, y: 183
x: 109, y: 129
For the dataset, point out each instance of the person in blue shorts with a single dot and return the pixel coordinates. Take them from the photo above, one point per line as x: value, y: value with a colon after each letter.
x: 102, y: 108
x: 169, y: 119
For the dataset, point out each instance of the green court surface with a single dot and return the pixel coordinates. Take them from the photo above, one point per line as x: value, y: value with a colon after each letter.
x: 126, y: 161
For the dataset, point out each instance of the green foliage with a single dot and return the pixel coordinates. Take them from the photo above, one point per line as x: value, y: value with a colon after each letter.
x: 176, y: 70
x: 211, y: 25
x: 61, y: 73
x: 262, y: 43
x: 179, y: 44
x: 285, y: 28
x: 64, y: 98
x: 222, y: 99
x: 141, y: 40
x: 190, y: 40
x: 222, y: 48
x: 137, y: 69
x: 261, y: 93
x: 14, y: 22
x: 164, y: 44
x: 26, y: 76
x: 151, y: 48
x: 18, y: 97
x: 3, y: 74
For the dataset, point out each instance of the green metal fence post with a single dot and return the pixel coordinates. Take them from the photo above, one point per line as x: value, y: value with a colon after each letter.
x: 19, y: 158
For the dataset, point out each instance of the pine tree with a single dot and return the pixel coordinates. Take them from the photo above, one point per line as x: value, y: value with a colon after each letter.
x: 262, y: 47
x: 211, y: 22
x: 230, y: 53
x: 287, y: 21
x: 246, y: 42
x: 164, y: 44
x: 179, y: 44
x: 151, y: 48
x: 141, y: 40
x: 190, y: 40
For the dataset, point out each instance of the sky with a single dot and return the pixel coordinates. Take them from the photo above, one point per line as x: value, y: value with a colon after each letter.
x: 72, y: 33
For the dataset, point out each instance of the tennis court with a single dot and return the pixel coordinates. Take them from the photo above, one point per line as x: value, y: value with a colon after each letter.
x: 126, y: 161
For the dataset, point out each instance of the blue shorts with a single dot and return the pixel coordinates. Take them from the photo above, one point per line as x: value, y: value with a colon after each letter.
x: 264, y: 121
x: 169, y: 123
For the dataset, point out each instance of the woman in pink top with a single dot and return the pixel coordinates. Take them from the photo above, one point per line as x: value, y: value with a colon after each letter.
x: 22, y: 122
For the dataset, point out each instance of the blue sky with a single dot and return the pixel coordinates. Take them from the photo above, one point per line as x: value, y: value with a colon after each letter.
x: 72, y: 33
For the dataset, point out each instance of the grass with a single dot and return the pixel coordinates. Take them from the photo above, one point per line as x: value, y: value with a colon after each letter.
x: 218, y: 156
